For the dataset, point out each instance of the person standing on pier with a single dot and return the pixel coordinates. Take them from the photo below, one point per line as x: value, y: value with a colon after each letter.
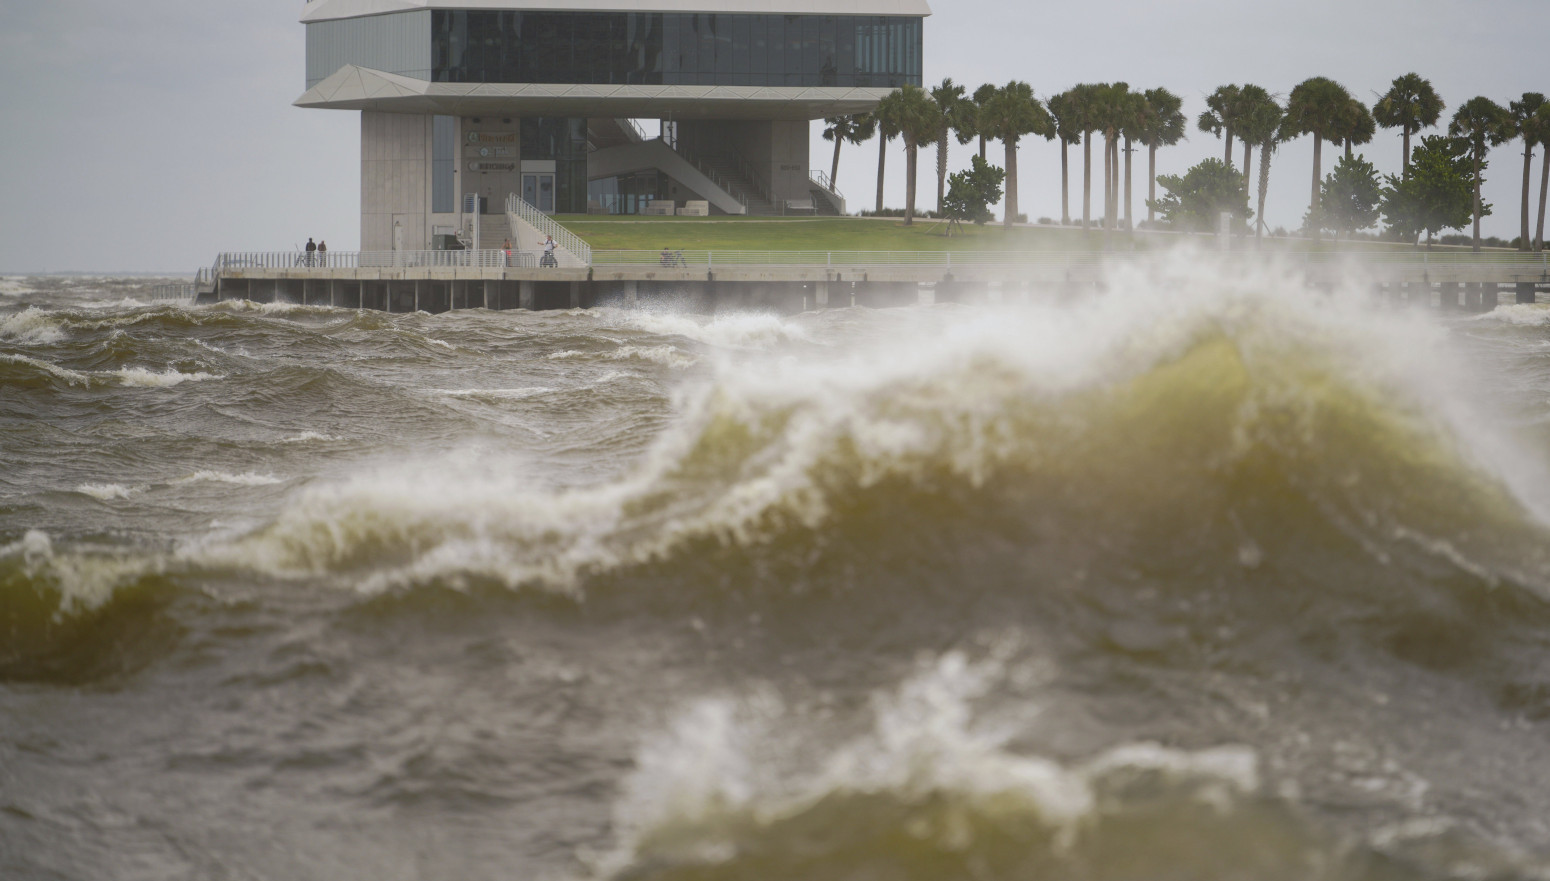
x: 506, y: 247
x: 322, y: 253
x: 312, y: 251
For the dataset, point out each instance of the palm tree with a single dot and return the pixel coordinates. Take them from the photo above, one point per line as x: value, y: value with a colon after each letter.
x: 1134, y: 120
x: 949, y: 97
x: 1410, y: 105
x: 1359, y: 126
x: 909, y: 111
x: 852, y: 129
x: 1221, y: 115
x: 1320, y: 107
x: 1258, y: 125
x: 1166, y: 125
x: 1484, y: 124
x: 982, y: 95
x: 1111, y: 105
x: 1523, y: 114
x: 1084, y: 105
x: 1011, y: 113
x: 1540, y: 126
x: 1068, y: 131
x: 885, y: 133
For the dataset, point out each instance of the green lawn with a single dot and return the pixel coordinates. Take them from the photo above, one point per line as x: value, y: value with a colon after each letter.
x: 867, y: 234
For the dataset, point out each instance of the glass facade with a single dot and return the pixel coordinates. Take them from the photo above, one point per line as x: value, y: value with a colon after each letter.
x: 626, y: 193
x: 563, y: 140
x: 651, y: 48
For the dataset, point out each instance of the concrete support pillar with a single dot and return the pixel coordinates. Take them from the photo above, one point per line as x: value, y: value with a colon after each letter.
x: 575, y: 295
x: 1524, y: 291
x: 632, y: 294
x: 525, y: 291
x: 1477, y: 297
x: 416, y: 295
x: 820, y: 295
x: 1452, y: 296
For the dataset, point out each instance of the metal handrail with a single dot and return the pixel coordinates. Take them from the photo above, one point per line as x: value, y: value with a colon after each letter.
x: 818, y: 177
x: 299, y: 260
x: 521, y: 209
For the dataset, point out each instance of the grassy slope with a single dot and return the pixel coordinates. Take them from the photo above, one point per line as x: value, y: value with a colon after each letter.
x: 865, y: 234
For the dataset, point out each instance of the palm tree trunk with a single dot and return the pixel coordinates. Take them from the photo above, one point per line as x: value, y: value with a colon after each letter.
x: 1009, y: 216
x: 1313, y: 206
x: 882, y: 162
x: 982, y: 146
x: 834, y: 172
x: 1065, y: 185
x: 1544, y: 191
x: 1114, y: 187
x: 1087, y: 179
x: 1475, y: 246
x: 941, y: 170
x: 1108, y: 179
x: 1129, y: 217
x: 1404, y: 173
x: 909, y: 182
x: 1528, y: 172
x: 1348, y: 148
x: 1227, y: 157
x: 1248, y: 170
x: 1264, y: 186
x: 1151, y: 183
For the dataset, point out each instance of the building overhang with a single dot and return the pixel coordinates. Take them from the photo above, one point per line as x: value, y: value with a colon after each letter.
x: 360, y: 88
x: 325, y: 10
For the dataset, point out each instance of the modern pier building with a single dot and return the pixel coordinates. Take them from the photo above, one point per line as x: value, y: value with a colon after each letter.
x: 464, y: 102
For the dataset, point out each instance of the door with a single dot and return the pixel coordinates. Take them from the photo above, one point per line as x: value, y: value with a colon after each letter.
x: 538, y: 191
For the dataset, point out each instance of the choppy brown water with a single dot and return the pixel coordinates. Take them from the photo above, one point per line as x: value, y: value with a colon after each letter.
x: 1205, y: 578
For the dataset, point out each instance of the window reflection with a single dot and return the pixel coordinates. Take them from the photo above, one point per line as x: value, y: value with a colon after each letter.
x: 653, y: 48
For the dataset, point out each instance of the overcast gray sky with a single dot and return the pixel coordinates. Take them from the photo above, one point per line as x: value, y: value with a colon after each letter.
x: 148, y: 136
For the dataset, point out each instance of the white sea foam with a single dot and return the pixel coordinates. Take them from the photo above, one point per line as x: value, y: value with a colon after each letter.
x: 666, y: 355
x: 730, y: 763
x: 743, y: 330
x: 142, y: 378
x: 1520, y: 314
x: 247, y: 478
x: 108, y: 491
x: 70, y: 376
x: 85, y: 580
x: 502, y: 394
x: 14, y: 286
x: 307, y: 437
x: 32, y: 326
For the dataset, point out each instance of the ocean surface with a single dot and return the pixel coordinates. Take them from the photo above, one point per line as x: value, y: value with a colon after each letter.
x: 1206, y: 577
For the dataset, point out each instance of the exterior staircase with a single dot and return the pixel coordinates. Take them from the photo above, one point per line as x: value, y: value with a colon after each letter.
x: 730, y: 173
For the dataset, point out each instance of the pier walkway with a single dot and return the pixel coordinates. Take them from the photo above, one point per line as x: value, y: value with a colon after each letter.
x: 790, y: 281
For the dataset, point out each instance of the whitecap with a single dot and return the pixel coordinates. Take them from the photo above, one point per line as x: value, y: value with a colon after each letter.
x: 107, y: 492
x: 249, y: 478
x: 32, y: 325
x: 54, y: 370
x: 143, y: 378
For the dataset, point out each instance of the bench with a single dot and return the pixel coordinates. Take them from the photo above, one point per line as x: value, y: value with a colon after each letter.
x: 659, y: 208
x: 695, y: 208
x: 801, y: 206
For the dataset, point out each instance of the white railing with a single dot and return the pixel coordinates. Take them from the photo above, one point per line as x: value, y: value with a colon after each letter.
x: 164, y: 292
x: 640, y: 133
x: 818, y: 178
x: 521, y: 209
x: 485, y: 259
x: 1048, y: 259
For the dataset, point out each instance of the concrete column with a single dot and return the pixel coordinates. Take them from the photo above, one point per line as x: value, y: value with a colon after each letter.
x: 1525, y: 292
x: 575, y: 295
x: 1452, y: 297
x: 525, y: 291
x: 416, y: 295
x: 632, y: 293
x: 820, y: 295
